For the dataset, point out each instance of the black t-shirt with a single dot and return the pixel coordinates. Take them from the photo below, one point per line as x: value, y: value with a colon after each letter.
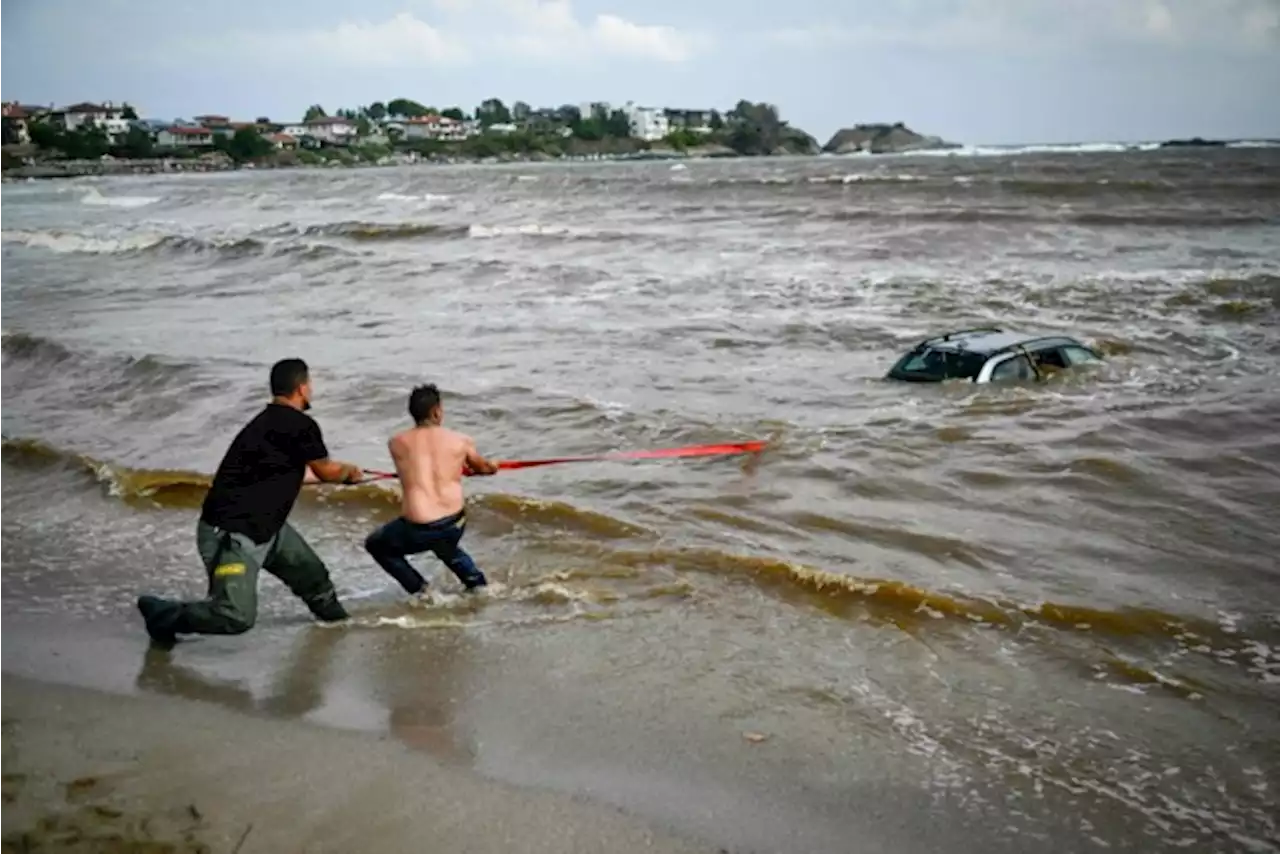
x: 258, y: 480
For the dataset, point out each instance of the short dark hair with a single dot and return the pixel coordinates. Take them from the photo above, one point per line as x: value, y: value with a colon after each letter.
x: 287, y: 376
x: 422, y: 400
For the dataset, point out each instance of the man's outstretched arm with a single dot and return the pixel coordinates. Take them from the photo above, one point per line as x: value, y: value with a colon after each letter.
x: 477, y: 464
x: 321, y: 469
x: 331, y: 471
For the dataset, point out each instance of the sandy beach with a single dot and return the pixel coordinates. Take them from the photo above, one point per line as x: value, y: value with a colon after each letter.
x: 90, y: 771
x: 401, y: 717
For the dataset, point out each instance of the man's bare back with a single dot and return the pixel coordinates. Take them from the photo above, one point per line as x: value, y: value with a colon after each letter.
x: 430, y: 461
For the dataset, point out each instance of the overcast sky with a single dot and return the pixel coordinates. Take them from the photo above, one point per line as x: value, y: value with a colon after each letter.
x: 974, y: 71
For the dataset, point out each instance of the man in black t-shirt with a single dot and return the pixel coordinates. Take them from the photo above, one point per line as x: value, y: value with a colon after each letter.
x: 243, y: 524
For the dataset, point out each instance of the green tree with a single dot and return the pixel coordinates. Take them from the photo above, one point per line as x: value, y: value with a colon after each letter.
x: 486, y: 145
x: 454, y: 113
x: 520, y: 111
x: 591, y: 129
x: 315, y: 111
x: 376, y: 111
x: 405, y: 107
x: 682, y: 138
x: 755, y: 128
x: 8, y: 131
x: 87, y: 142
x: 128, y: 112
x: 137, y: 143
x: 493, y: 112
x: 248, y: 144
x: 245, y: 145
x: 364, y: 127
x: 45, y: 135
x: 716, y: 122
x: 618, y: 125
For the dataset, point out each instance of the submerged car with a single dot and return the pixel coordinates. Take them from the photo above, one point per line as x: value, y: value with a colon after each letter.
x: 990, y: 354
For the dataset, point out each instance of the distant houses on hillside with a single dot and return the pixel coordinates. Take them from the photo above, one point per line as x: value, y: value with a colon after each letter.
x: 202, y: 132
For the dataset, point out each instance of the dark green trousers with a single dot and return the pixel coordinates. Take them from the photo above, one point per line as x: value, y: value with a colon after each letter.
x: 232, y: 562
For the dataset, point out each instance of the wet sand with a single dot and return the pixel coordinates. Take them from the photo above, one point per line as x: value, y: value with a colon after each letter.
x: 90, y: 771
x: 512, y: 713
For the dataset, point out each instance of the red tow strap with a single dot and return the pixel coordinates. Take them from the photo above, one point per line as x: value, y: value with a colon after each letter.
x: 661, y: 453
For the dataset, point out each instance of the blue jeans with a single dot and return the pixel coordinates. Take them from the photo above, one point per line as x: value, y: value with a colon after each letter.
x: 393, y: 541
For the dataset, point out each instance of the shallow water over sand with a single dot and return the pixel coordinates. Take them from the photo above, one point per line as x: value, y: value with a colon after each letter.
x: 1040, y: 613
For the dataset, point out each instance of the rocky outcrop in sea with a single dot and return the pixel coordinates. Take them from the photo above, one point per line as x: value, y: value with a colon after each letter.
x: 883, y: 139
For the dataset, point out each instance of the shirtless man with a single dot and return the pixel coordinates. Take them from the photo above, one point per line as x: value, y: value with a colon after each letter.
x: 430, y: 461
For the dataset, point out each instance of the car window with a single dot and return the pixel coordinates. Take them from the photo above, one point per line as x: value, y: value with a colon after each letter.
x: 1078, y: 355
x: 1017, y: 368
x: 1050, y: 358
x: 941, y: 364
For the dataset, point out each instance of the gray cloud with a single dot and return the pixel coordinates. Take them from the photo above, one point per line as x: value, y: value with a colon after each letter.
x: 978, y: 71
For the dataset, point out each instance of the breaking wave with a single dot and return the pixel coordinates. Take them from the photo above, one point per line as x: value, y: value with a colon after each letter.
x: 152, y: 244
x: 1199, y: 218
x: 892, y: 601
x: 183, y: 489
x: 294, y: 240
x: 33, y: 355
x: 96, y: 199
x: 391, y: 231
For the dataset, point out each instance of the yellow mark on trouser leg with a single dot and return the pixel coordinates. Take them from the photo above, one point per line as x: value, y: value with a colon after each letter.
x: 229, y: 569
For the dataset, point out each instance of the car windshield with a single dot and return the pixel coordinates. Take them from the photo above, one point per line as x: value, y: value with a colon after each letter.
x: 928, y: 363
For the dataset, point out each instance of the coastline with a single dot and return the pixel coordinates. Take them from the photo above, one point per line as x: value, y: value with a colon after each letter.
x: 55, y: 169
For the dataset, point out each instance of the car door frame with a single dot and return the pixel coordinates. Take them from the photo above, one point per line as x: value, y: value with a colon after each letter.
x: 984, y: 376
x: 1028, y: 349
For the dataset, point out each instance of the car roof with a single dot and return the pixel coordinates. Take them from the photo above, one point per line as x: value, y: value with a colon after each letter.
x: 988, y: 340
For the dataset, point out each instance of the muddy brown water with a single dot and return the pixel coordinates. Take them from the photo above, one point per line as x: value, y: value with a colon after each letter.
x: 1036, y: 617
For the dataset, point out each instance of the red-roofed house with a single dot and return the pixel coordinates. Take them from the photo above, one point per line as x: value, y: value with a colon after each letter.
x: 15, y: 125
x: 283, y: 141
x: 184, y: 136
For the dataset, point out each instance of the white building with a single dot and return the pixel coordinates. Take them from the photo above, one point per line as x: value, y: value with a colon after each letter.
x: 588, y: 108
x: 184, y: 136
x: 437, y: 127
x: 648, y: 123
x: 108, y: 116
x: 333, y: 130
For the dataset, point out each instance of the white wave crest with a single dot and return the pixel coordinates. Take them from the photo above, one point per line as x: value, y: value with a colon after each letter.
x: 428, y: 198
x: 64, y: 242
x: 95, y: 198
x: 526, y: 229
x: 860, y: 177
